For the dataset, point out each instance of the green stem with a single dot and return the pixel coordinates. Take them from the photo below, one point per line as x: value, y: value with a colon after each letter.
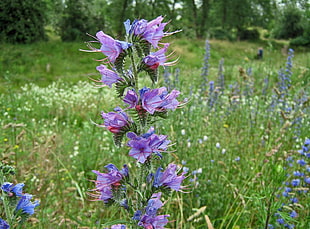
x: 135, y: 73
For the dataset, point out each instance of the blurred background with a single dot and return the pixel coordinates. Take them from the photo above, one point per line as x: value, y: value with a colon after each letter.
x: 26, y: 21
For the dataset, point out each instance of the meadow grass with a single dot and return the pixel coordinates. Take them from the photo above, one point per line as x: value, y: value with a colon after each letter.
x: 235, y: 147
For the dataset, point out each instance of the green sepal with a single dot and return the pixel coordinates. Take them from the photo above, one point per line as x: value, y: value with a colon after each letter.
x: 153, y: 73
x: 120, y: 63
x: 118, y: 137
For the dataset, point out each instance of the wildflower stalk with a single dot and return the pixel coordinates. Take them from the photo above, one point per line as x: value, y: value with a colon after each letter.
x: 135, y: 73
x: 138, y: 193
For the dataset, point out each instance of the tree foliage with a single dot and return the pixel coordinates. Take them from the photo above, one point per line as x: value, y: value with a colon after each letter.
x: 289, y: 24
x: 76, y: 20
x: 22, y: 21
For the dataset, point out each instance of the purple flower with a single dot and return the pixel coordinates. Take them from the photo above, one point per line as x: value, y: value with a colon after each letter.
x: 152, y: 100
x: 301, y: 162
x: 108, y: 76
x: 107, y: 181
x: 154, y: 31
x: 298, y: 174
x: 295, y: 182
x: 143, y: 146
x: 115, y: 121
x: 293, y: 214
x: 169, y: 178
x: 280, y: 221
x: 10, y: 188
x: 158, y: 99
x: 7, y: 187
x: 131, y: 98
x: 110, y: 47
x: 307, y: 180
x: 150, y: 222
x: 4, y: 224
x: 155, y: 59
x: 150, y: 219
x: 26, y: 205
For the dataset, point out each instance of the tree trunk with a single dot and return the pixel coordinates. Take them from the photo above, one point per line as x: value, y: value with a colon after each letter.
x: 194, y: 7
x: 204, y: 17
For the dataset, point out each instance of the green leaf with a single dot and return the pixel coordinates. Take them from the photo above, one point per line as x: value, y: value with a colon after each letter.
x: 118, y: 221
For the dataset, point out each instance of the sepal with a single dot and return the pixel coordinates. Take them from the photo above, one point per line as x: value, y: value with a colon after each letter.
x: 118, y: 137
x: 120, y: 63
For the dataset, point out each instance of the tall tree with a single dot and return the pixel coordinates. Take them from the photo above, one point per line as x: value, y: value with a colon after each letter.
x: 22, y: 21
x: 76, y: 20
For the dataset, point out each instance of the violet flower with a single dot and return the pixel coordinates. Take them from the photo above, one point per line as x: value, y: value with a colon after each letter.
x: 10, y: 188
x: 115, y: 121
x: 159, y: 100
x: 108, y: 76
x: 152, y: 99
x: 143, y: 146
x: 110, y: 47
x: 26, y: 205
x: 4, y: 224
x: 131, y: 98
x: 150, y: 219
x: 107, y: 181
x: 169, y: 178
x: 158, y: 58
x: 151, y: 31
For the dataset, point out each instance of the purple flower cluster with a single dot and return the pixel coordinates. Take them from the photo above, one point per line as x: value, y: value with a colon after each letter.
x: 150, y: 219
x: 25, y: 205
x: 151, y: 31
x: 143, y: 146
x: 298, y: 184
x: 169, y: 178
x: 106, y: 183
x: 144, y: 106
x: 115, y: 121
x: 152, y: 100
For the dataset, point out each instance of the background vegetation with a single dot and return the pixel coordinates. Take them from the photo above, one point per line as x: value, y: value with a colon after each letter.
x: 23, y: 21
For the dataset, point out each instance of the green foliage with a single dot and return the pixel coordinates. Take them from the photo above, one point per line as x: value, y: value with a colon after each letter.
x: 289, y: 23
x: 47, y: 131
x: 300, y: 41
x: 248, y: 34
x: 220, y: 34
x: 22, y: 21
x: 76, y: 21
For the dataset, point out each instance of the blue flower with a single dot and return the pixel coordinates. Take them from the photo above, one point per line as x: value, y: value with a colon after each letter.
x: 26, y: 205
x: 295, y: 182
x: 280, y: 221
x: 293, y: 214
x: 10, y: 188
x: 301, y: 162
x: 4, y: 224
x: 307, y: 180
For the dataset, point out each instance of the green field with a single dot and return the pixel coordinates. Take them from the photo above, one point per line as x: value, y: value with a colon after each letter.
x: 235, y: 140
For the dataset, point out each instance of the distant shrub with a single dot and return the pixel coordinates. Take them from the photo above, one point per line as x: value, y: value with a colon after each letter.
x: 75, y: 21
x: 249, y: 34
x: 22, y: 21
x: 220, y: 34
x: 289, y: 24
x: 300, y: 41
